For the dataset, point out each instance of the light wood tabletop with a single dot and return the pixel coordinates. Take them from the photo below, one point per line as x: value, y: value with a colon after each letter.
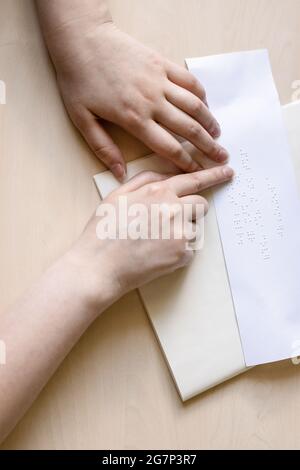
x: 114, y: 390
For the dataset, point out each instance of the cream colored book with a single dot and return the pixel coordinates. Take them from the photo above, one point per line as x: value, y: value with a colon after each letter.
x: 191, y: 310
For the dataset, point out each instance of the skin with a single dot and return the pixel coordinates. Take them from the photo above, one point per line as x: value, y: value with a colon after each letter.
x: 106, y: 75
x: 40, y: 330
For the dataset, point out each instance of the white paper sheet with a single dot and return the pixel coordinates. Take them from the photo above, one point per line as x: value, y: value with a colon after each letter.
x: 259, y: 212
x: 191, y: 310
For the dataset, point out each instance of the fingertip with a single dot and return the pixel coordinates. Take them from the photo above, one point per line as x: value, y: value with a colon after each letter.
x: 119, y: 171
x: 221, y: 156
x: 216, y: 130
x: 228, y: 172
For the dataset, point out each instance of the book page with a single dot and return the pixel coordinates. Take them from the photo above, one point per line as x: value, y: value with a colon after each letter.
x: 259, y: 212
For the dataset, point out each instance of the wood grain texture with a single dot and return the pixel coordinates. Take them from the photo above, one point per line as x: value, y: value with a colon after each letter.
x: 114, y: 389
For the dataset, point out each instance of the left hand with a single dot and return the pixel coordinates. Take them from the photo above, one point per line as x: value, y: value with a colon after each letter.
x: 105, y: 74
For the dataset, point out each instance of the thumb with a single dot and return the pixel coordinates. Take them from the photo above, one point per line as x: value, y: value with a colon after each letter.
x: 102, y: 145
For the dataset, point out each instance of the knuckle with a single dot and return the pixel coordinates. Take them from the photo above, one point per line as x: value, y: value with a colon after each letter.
x: 104, y: 152
x: 197, y: 182
x: 157, y: 60
x: 192, y: 80
x: 202, y: 92
x: 218, y: 173
x: 197, y: 107
x: 193, y: 131
x: 197, y: 88
x: 149, y: 98
x: 212, y: 148
x: 154, y: 189
x: 126, y: 101
x: 78, y: 119
x: 175, y: 151
x: 191, y: 166
x: 133, y: 118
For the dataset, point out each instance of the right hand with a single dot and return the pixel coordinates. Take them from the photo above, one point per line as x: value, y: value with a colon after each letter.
x: 121, y: 265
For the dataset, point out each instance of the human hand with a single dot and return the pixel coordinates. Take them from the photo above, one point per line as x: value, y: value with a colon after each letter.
x: 118, y: 265
x: 104, y: 74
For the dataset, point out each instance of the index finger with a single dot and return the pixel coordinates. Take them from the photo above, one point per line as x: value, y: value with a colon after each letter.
x: 193, y: 183
x: 141, y: 179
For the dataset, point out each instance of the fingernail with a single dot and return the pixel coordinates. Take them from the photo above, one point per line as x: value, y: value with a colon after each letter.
x: 227, y: 172
x: 216, y: 130
x: 119, y: 171
x: 222, y: 155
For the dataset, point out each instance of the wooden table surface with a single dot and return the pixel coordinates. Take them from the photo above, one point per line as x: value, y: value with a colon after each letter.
x: 114, y: 389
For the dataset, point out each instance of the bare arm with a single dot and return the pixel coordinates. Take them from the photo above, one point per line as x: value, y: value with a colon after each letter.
x: 39, y: 332
x: 43, y: 327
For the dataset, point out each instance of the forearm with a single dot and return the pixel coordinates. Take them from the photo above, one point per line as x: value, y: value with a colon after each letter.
x: 63, y: 22
x: 40, y: 331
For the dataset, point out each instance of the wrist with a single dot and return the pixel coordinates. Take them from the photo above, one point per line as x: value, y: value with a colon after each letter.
x: 64, y: 15
x: 92, y: 278
x: 68, y: 24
